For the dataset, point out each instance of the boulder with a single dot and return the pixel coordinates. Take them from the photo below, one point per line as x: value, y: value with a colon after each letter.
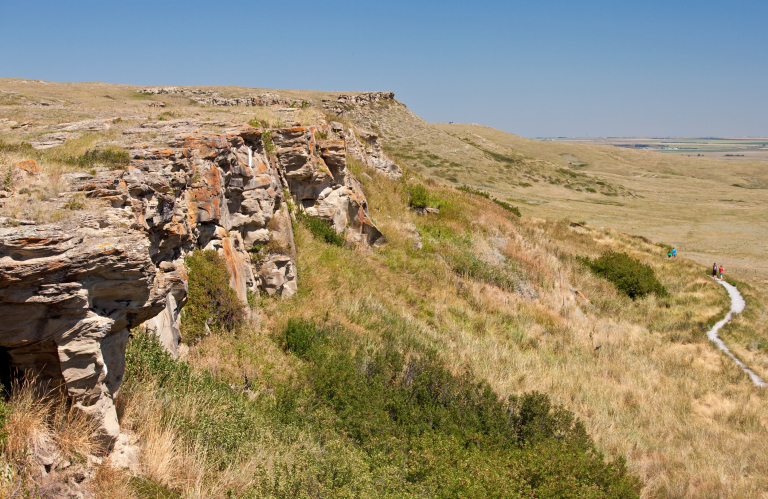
x: 369, y: 151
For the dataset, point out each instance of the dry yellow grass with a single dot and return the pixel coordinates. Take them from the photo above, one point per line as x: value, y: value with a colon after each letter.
x: 41, y: 423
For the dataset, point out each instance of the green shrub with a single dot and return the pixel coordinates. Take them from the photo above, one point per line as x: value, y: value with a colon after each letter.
x: 321, y: 229
x: 269, y: 145
x: 418, y: 196
x: 299, y: 335
x: 404, y: 423
x: 110, y: 158
x: 508, y: 207
x: 76, y: 203
x: 211, y: 301
x: 630, y: 277
x: 449, y: 433
x: 472, y: 190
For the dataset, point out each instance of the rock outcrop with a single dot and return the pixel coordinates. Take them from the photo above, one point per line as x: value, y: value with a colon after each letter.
x: 371, y: 153
x: 68, y: 298
x: 70, y: 294
x: 313, y: 160
x: 364, y: 98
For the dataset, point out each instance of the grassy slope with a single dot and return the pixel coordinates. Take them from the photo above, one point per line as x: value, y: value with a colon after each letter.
x: 640, y: 374
x: 689, y: 202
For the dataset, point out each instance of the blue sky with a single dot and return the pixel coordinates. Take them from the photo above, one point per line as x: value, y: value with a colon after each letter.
x: 537, y: 68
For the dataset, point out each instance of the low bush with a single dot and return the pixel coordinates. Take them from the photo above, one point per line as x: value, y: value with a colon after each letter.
x: 630, y: 277
x: 321, y: 229
x: 418, y: 196
x: 389, y: 424
x: 447, y: 431
x: 76, y: 203
x: 503, y: 204
x: 472, y: 190
x: 269, y: 145
x: 299, y: 335
x: 212, y: 303
x: 508, y: 207
x: 111, y: 158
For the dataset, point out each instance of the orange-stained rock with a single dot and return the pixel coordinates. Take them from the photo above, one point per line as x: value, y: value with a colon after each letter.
x: 28, y: 165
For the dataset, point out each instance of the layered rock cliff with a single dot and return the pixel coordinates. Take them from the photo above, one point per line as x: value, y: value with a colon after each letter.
x: 71, y: 293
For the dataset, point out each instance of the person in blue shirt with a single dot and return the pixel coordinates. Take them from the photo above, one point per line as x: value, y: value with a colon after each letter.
x: 674, y: 253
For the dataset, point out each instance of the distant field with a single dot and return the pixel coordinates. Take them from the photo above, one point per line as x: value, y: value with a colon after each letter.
x: 730, y: 148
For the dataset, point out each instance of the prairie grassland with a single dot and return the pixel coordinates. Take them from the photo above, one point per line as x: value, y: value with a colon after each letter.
x: 710, y: 209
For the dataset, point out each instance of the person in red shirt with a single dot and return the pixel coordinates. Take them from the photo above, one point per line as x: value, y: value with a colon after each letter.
x: 721, y: 272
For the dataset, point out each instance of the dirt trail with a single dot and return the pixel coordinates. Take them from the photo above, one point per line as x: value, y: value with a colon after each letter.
x: 737, y: 306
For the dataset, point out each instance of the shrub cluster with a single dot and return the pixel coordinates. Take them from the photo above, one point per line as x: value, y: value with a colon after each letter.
x: 508, y: 207
x: 448, y: 433
x: 321, y: 229
x: 110, y: 158
x: 503, y: 204
x: 403, y: 424
x: 472, y: 190
x: 418, y: 196
x: 211, y: 301
x: 630, y: 277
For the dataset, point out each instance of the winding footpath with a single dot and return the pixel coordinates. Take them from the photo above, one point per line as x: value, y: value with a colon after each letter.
x: 737, y: 306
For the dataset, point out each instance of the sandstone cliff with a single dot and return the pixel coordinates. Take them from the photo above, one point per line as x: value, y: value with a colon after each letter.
x: 71, y: 293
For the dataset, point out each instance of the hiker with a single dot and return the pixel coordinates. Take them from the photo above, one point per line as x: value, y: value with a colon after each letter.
x: 714, y: 270
x: 669, y: 255
x: 721, y: 272
x: 674, y: 253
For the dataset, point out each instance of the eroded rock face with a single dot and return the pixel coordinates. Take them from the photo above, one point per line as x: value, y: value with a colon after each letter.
x: 365, y: 98
x: 369, y: 151
x: 68, y: 298
x: 313, y: 159
x: 69, y: 295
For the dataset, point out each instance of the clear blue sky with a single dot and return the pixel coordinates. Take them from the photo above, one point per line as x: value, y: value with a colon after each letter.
x: 534, y: 68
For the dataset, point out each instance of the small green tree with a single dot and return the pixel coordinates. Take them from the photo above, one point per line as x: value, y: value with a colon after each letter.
x: 211, y: 301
